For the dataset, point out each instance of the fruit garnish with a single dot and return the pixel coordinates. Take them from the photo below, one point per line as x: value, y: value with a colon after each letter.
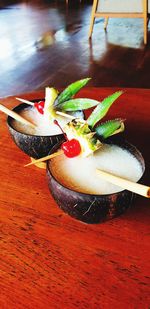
x: 89, y: 137
x: 82, y: 136
x: 58, y: 125
x: 101, y: 110
x: 64, y: 101
x: 77, y: 104
x: 71, y: 148
x: 78, y: 129
x: 110, y: 127
x: 70, y: 91
x: 50, y: 96
x: 40, y: 106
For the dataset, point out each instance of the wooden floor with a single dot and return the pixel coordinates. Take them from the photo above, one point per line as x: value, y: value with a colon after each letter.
x: 46, y: 43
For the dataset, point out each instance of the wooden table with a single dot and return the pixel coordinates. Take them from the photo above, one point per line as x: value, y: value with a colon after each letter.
x: 48, y: 259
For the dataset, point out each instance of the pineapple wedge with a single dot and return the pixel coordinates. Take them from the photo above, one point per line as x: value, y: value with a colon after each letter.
x: 79, y: 129
x: 50, y: 96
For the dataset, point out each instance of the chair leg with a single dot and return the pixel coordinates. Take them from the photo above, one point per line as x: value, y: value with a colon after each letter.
x: 145, y: 20
x: 91, y: 26
x: 145, y: 32
x: 106, y: 23
x: 92, y: 17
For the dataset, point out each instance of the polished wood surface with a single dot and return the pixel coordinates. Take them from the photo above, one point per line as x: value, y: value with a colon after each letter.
x: 49, y: 260
x: 45, y: 42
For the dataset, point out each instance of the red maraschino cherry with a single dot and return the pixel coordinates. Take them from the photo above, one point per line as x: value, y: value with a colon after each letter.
x: 40, y: 106
x: 71, y: 148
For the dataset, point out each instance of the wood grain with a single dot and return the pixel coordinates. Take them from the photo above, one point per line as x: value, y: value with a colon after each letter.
x: 116, y: 57
x: 49, y: 260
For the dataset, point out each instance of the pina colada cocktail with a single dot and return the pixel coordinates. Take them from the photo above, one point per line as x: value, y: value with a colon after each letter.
x: 37, y: 142
x: 72, y: 177
x: 79, y: 174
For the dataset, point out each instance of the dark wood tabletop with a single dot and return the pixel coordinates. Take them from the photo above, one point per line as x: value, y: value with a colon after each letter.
x: 48, y: 259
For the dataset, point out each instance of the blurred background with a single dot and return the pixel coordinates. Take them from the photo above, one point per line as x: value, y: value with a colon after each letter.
x: 45, y: 43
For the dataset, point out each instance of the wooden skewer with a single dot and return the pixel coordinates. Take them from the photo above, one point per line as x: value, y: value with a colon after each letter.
x: 58, y: 113
x: 125, y: 184
x: 55, y: 154
x: 16, y: 116
x: 65, y: 115
x: 25, y: 101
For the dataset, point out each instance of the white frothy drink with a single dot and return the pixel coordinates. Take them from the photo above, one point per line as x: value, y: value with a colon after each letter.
x: 79, y: 174
x: 44, y: 126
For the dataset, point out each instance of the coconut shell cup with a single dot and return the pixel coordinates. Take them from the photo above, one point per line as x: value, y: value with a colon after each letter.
x: 35, y: 146
x: 91, y: 208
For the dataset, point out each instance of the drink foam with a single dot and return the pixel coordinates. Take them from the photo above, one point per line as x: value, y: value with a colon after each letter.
x: 45, y: 127
x: 79, y: 174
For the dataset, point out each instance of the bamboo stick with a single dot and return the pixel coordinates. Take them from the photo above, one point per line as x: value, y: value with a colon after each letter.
x: 16, y: 116
x: 65, y: 115
x: 125, y: 184
x: 55, y: 154
x: 25, y: 101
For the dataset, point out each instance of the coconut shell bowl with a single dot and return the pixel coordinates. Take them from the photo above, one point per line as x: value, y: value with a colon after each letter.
x: 91, y: 208
x: 35, y: 146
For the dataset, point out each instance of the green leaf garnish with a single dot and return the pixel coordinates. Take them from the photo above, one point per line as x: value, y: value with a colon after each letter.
x: 101, y: 110
x: 77, y: 104
x: 109, y: 128
x: 70, y: 91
